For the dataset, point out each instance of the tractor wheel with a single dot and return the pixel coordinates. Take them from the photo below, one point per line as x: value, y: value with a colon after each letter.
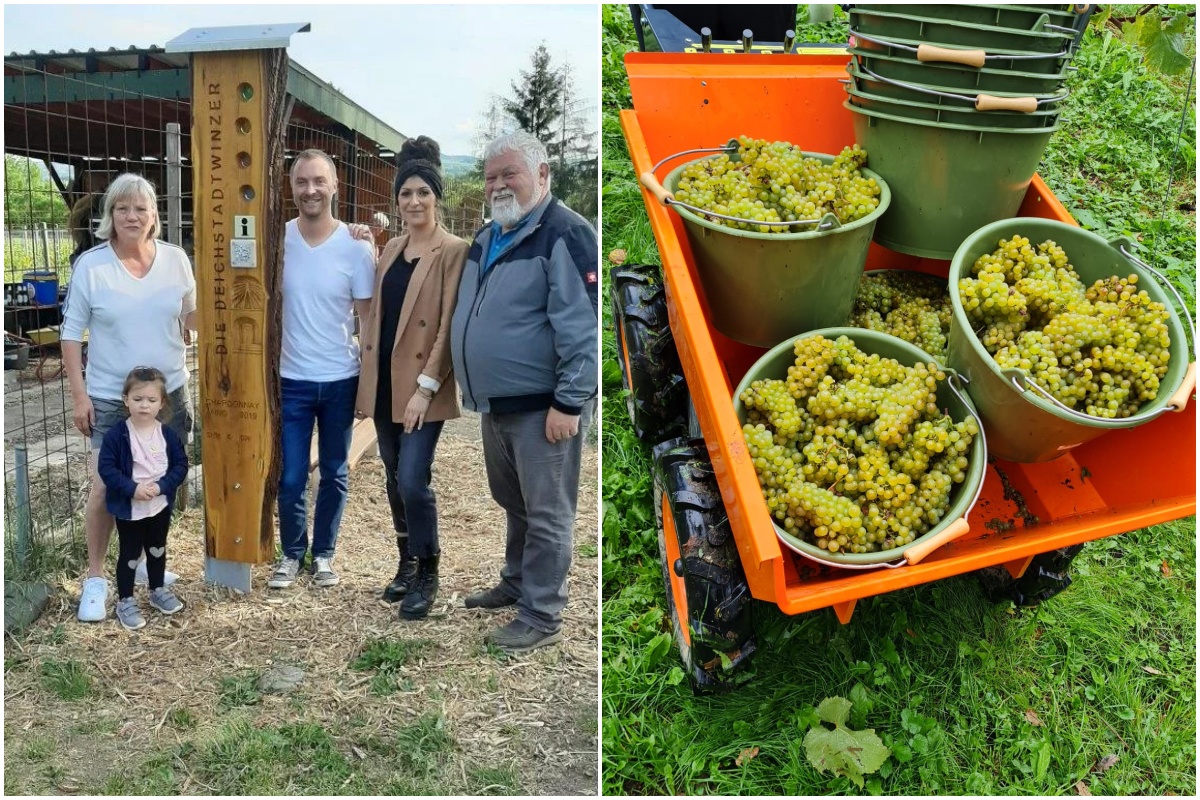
x: 1046, y: 576
x: 706, y: 586
x: 650, y: 371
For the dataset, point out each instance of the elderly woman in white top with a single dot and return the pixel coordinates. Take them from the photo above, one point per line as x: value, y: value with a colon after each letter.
x: 135, y: 295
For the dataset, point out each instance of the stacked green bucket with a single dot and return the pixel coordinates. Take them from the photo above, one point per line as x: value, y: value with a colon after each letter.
x: 955, y: 104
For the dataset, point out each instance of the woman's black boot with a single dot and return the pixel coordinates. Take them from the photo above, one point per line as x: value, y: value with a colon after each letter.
x: 406, y: 572
x: 423, y: 590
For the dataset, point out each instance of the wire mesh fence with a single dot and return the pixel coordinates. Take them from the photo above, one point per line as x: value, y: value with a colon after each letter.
x: 71, y: 126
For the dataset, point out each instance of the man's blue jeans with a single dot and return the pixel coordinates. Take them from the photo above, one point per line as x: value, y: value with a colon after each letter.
x: 331, y: 406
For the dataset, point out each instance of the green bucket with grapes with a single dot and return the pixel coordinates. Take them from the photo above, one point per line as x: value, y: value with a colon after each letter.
x: 951, y: 400
x: 948, y: 180
x: 1025, y: 423
x: 763, y: 287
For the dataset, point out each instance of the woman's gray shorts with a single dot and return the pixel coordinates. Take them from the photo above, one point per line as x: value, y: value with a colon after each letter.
x: 110, y: 412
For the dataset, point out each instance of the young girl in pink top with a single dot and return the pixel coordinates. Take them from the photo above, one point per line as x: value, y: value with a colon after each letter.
x: 142, y: 462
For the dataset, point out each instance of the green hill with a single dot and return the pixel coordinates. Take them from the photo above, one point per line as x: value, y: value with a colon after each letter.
x: 457, y: 166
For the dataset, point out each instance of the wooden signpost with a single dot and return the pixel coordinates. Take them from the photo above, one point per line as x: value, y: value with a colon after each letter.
x: 239, y: 94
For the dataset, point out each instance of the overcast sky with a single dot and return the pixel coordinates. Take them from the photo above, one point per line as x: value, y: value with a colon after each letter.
x: 423, y: 69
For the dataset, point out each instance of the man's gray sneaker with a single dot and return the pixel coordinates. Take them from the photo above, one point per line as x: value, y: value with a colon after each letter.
x: 323, y: 574
x: 494, y: 597
x: 517, y: 637
x: 285, y: 573
x: 129, y: 615
x: 165, y: 600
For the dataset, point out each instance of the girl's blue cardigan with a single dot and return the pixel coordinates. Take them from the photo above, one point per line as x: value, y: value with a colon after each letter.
x: 116, y: 469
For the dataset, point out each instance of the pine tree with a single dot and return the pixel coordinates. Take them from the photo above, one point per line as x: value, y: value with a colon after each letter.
x: 536, y: 103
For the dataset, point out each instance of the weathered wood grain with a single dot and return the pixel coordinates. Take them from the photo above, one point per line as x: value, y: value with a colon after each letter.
x: 237, y: 156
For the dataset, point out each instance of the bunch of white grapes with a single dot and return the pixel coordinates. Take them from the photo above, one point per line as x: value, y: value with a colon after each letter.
x: 1102, y: 350
x: 908, y: 305
x: 851, y: 450
x: 773, y: 182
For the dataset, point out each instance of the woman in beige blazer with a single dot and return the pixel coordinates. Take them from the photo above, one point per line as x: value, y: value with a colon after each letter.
x: 406, y: 383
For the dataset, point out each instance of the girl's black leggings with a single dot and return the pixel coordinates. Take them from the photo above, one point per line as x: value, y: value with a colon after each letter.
x: 136, y: 535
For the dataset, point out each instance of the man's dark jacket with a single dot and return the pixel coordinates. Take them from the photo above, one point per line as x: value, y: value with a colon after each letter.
x: 525, y: 335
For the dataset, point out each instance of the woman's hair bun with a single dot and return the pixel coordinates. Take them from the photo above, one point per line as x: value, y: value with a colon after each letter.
x: 422, y: 147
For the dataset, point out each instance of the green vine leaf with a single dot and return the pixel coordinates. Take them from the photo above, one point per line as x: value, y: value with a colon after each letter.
x: 1164, y: 47
x: 1167, y: 50
x: 843, y: 751
x: 834, y: 710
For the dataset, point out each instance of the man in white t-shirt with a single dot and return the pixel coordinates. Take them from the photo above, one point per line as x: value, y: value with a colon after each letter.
x: 327, y: 277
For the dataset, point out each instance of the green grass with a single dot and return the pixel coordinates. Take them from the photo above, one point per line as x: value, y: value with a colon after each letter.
x: 422, y: 745
x: 388, y: 655
x: 245, y: 759
x: 493, y: 781
x: 37, y: 748
x: 239, y: 690
x: 183, y: 719
x: 385, y: 657
x: 66, y: 680
x: 23, y: 256
x: 242, y: 757
x: 972, y: 698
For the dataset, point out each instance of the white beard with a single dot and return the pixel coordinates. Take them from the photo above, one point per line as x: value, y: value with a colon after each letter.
x: 508, y: 212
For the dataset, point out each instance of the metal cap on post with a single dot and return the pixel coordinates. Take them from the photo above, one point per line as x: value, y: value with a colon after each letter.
x: 236, y: 37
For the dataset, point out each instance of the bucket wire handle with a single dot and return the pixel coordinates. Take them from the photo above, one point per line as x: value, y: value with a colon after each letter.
x: 960, y: 526
x: 1179, y: 400
x: 1165, y: 281
x: 914, y: 554
x: 1022, y: 382
x: 969, y: 58
x: 982, y: 102
x: 652, y: 184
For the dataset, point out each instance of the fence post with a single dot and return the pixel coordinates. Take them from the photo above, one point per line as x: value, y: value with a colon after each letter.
x: 174, y: 185
x: 23, y: 521
x: 46, y: 265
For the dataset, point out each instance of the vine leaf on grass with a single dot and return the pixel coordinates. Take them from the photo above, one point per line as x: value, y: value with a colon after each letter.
x: 842, y: 751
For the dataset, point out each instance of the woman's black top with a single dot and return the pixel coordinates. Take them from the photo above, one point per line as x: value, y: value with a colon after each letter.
x: 395, y: 286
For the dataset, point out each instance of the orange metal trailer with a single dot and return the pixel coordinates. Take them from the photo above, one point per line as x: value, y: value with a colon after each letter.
x: 1122, y: 481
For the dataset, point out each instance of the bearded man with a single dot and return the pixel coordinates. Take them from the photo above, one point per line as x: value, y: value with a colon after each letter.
x: 525, y: 342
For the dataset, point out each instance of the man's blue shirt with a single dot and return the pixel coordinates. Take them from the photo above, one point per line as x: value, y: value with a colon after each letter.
x: 501, y: 241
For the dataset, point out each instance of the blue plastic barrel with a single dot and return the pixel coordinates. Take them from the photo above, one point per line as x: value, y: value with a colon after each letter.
x: 43, y: 285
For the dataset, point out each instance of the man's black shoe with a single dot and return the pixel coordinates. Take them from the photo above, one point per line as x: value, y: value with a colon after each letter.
x: 494, y: 597
x: 406, y: 573
x: 517, y: 637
